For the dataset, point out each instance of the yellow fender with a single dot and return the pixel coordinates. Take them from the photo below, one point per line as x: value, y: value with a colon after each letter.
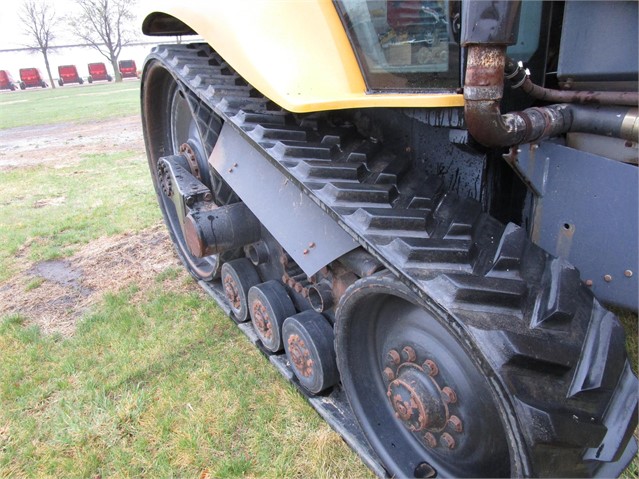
x: 295, y: 52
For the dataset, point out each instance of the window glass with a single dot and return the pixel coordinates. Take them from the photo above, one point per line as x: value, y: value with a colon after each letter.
x: 404, y: 44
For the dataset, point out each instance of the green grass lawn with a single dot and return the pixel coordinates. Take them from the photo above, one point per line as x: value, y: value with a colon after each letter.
x: 88, y: 102
x: 156, y: 381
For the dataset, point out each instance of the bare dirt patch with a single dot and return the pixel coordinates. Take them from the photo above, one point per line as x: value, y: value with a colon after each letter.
x: 54, y: 295
x: 62, y: 144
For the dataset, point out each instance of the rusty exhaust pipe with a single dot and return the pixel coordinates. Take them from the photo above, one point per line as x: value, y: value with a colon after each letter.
x: 490, y: 28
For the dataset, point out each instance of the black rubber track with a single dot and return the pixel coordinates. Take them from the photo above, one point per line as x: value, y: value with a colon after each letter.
x: 558, y: 356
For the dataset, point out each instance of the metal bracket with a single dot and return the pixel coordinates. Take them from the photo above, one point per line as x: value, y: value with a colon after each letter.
x: 306, y: 232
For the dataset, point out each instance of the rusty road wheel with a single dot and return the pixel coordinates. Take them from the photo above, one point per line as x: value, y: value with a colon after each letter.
x: 418, y: 392
x: 269, y: 306
x: 308, y: 341
x: 238, y: 276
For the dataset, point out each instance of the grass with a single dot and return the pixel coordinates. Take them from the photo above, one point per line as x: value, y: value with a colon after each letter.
x: 197, y: 399
x: 154, y: 383
x: 46, y: 213
x: 69, y: 104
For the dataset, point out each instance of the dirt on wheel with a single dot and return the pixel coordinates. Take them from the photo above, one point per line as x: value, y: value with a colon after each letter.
x: 54, y: 295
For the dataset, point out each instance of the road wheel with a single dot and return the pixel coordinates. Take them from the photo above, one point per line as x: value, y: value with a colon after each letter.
x: 418, y: 391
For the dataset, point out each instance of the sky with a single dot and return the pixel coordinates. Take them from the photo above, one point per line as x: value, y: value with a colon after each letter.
x: 12, y: 37
x: 11, y: 28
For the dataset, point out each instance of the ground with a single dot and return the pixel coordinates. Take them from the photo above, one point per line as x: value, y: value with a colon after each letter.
x: 67, y: 287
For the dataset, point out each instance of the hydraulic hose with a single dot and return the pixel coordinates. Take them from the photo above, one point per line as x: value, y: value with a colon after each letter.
x: 519, y: 79
x: 483, y: 91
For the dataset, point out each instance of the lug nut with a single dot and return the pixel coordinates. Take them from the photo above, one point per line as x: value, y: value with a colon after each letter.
x: 455, y: 423
x: 447, y: 441
x: 409, y: 354
x: 390, y: 375
x: 431, y: 368
x: 393, y: 357
x: 449, y: 395
x: 430, y: 440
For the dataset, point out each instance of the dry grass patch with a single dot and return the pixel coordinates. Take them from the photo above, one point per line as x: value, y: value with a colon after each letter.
x: 55, y: 294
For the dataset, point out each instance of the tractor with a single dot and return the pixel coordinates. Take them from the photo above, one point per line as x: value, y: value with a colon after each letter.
x: 420, y: 211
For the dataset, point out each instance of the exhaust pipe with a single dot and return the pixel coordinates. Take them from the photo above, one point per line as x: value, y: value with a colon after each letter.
x: 489, y: 29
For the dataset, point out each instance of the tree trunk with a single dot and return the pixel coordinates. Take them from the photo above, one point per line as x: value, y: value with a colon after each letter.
x: 46, y: 63
x: 116, y: 69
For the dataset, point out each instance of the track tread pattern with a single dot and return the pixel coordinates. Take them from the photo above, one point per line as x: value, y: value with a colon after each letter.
x: 556, y: 350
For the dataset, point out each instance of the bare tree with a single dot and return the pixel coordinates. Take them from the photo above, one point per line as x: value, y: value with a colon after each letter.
x: 104, y: 24
x: 39, y: 20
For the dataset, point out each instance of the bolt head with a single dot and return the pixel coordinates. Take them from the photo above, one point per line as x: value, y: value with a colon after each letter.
x: 607, y: 278
x: 408, y: 354
x: 393, y: 357
x: 449, y: 395
x: 390, y: 374
x: 628, y: 273
x: 430, y: 440
x: 447, y: 441
x: 455, y: 423
x: 431, y: 368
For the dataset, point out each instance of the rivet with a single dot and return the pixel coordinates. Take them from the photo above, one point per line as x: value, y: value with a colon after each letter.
x: 588, y: 282
x: 311, y: 245
x: 235, y: 165
x: 305, y: 251
x: 607, y: 278
x: 627, y: 273
x: 230, y: 170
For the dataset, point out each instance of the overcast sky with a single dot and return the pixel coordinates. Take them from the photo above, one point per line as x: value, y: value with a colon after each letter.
x: 11, y: 28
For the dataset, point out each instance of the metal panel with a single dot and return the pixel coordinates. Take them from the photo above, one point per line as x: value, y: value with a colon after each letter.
x: 308, y: 234
x: 586, y: 210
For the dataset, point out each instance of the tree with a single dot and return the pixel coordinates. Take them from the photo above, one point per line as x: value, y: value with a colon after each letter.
x: 104, y: 25
x: 39, y: 20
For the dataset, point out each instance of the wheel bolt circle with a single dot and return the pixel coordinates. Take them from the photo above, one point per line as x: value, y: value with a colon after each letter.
x: 447, y: 441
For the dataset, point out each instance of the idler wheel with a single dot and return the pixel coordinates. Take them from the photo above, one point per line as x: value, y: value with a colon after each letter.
x: 308, y: 341
x: 238, y: 276
x: 269, y: 306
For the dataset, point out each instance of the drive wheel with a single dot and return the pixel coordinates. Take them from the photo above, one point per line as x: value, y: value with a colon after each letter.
x: 418, y: 392
x: 171, y: 128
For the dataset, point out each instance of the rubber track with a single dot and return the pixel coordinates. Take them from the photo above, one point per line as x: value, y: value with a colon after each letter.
x: 560, y: 355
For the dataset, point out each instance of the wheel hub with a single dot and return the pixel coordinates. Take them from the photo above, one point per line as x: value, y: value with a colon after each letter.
x: 262, y: 320
x: 232, y: 293
x: 300, y: 355
x: 416, y: 399
x: 419, y: 401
